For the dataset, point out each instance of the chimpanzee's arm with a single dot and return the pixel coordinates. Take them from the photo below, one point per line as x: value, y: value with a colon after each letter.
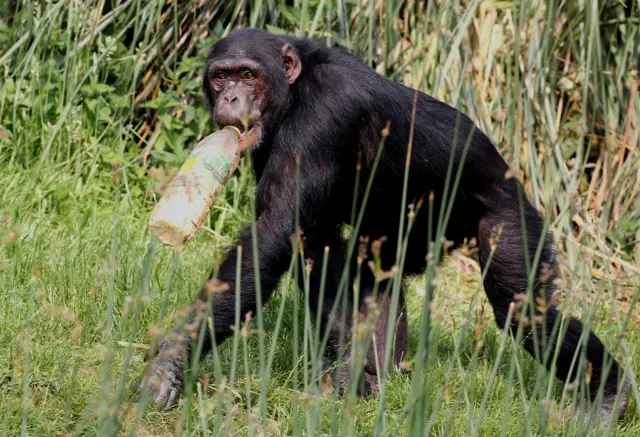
x: 275, y: 225
x: 274, y: 229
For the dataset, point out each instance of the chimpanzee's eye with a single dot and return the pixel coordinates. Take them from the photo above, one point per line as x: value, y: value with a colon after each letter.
x: 220, y: 75
x: 247, y: 74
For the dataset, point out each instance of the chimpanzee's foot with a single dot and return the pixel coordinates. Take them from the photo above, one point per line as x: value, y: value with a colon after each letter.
x: 165, y: 375
x: 609, y: 402
x: 340, y: 373
x: 371, y: 383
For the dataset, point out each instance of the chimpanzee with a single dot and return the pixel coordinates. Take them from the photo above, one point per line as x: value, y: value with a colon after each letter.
x: 298, y: 98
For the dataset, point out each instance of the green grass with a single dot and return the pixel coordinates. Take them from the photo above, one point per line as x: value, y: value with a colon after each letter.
x: 99, y: 105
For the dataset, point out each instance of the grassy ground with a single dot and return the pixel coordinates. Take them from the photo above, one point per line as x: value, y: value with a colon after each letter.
x: 99, y: 105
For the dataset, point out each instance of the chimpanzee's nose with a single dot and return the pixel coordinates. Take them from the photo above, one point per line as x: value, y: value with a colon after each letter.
x: 230, y: 99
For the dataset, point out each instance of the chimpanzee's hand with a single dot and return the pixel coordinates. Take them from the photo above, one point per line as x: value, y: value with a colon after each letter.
x: 165, y: 375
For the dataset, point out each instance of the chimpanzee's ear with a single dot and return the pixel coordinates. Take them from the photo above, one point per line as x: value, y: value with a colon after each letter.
x: 292, y: 64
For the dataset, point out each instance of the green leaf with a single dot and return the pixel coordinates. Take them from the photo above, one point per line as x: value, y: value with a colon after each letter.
x: 162, y: 101
x: 119, y: 101
x: 276, y: 30
x: 101, y: 88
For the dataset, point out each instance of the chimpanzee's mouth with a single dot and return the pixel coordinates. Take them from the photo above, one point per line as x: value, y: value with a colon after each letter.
x: 245, y: 130
x: 250, y: 137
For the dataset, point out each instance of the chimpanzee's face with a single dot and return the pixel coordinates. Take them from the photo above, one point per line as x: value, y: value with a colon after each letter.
x: 238, y: 93
x: 247, y: 81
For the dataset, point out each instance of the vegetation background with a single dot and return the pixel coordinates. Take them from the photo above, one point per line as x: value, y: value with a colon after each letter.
x: 100, y: 103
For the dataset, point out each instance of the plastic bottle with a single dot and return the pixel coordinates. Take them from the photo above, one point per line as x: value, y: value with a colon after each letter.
x: 190, y: 196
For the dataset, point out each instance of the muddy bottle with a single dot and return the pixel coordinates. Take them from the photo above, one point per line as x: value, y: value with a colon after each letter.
x: 190, y: 196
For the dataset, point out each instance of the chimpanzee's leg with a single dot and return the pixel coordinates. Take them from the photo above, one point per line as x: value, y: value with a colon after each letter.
x: 500, y: 228
x: 375, y: 355
x: 336, y: 327
x: 373, y: 325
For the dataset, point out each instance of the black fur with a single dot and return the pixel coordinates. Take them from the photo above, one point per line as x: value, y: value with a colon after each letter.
x: 336, y: 110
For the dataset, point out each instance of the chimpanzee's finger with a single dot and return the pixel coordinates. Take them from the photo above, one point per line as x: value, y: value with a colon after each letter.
x: 173, y: 394
x: 137, y: 385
